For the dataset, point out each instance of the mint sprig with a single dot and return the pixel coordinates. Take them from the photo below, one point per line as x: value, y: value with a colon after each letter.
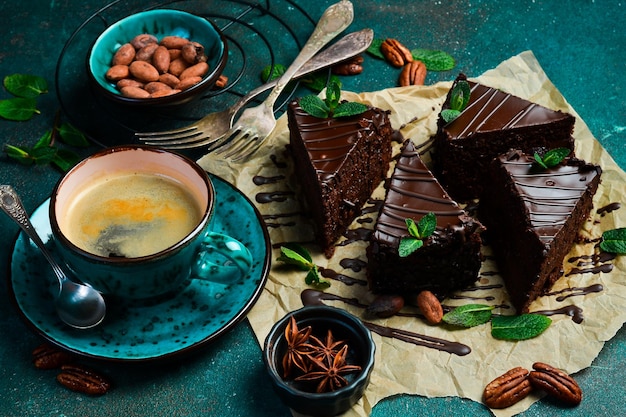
x: 459, y: 98
x: 522, y: 327
x: 417, y: 233
x: 331, y: 105
x: 469, y: 315
x: 298, y: 256
x: 614, y: 241
x: 551, y: 158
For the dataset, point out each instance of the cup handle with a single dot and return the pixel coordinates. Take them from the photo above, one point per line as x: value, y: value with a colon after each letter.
x: 221, y: 259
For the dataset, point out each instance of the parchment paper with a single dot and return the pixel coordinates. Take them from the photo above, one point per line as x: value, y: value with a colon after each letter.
x: 406, y: 368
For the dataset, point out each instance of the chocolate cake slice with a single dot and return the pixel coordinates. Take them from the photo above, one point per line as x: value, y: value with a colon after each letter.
x: 449, y: 259
x: 533, y: 217
x: 492, y: 123
x: 338, y: 162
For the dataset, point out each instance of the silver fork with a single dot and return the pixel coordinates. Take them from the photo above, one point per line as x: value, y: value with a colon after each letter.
x: 256, y: 123
x: 212, y: 126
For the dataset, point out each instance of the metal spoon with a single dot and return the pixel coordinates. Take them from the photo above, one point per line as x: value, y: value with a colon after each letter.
x: 78, y: 305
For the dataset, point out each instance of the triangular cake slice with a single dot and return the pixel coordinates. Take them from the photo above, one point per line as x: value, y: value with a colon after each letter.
x: 338, y: 163
x: 492, y: 123
x: 533, y: 217
x: 449, y: 259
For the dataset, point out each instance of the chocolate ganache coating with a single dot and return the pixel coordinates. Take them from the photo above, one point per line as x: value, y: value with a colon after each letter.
x: 450, y: 258
x: 338, y: 162
x: 533, y: 216
x: 492, y: 123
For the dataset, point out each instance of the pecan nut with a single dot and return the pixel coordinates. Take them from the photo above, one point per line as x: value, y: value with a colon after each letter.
x: 352, y: 66
x: 46, y: 356
x: 385, y: 306
x: 395, y: 53
x: 81, y: 379
x: 507, y: 389
x: 413, y: 73
x: 555, y: 383
x: 430, y: 307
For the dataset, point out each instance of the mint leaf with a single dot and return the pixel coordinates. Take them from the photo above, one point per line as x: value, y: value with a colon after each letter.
x: 70, y: 135
x: 614, y: 241
x: 19, y: 154
x: 271, y: 72
x: 318, y: 81
x: 333, y: 94
x: 315, y: 106
x: 539, y: 161
x: 418, y: 231
x: 469, y: 315
x: 412, y: 228
x: 449, y: 115
x: 26, y: 86
x: 349, y: 109
x: 433, y: 59
x: 460, y: 95
x: 522, y: 327
x: 408, y: 245
x: 426, y: 225
x: 18, y: 108
x: 65, y: 159
x: 294, y: 254
x: 374, y: 48
x: 551, y: 158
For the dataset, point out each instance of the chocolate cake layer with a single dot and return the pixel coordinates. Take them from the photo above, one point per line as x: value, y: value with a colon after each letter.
x: 533, y: 217
x: 450, y: 258
x: 338, y: 162
x: 492, y: 123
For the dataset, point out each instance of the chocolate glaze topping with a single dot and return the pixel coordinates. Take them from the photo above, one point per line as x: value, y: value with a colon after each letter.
x: 492, y: 110
x: 549, y: 195
x: 414, y: 192
x: 329, y: 141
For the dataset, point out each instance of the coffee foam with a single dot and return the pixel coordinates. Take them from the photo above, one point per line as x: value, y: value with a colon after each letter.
x: 131, y: 215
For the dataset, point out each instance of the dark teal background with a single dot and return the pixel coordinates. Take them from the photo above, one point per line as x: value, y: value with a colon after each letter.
x: 580, y: 45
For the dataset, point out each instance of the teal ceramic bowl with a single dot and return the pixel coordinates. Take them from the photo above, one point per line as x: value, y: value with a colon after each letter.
x: 160, y: 23
x: 301, y: 397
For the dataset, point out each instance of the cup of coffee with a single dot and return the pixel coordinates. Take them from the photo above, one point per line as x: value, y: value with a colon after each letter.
x: 133, y: 222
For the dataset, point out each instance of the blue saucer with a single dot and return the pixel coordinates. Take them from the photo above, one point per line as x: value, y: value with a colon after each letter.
x: 192, y: 319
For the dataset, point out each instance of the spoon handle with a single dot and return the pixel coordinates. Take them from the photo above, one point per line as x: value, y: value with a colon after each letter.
x: 12, y: 205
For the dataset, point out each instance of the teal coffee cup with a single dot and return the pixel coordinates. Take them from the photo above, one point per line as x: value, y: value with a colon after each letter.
x: 133, y: 222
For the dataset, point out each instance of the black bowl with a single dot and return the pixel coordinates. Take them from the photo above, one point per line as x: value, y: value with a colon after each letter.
x: 344, y: 326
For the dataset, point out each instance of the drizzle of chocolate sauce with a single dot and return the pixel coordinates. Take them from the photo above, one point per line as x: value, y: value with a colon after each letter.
x: 603, y: 211
x: 315, y: 297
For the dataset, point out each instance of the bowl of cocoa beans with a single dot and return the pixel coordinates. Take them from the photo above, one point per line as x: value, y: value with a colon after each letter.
x: 319, y: 360
x: 160, y: 57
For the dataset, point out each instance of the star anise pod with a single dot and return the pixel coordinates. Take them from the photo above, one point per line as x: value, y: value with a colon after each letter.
x: 297, y: 348
x: 327, y: 350
x: 330, y: 375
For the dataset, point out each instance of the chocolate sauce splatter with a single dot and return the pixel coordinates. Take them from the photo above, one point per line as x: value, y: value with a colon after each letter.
x: 353, y: 263
x: 315, y: 297
x: 603, y: 211
x: 355, y: 235
x: 576, y: 313
x: 275, y: 196
x: 576, y: 291
x: 268, y: 217
x: 260, y: 180
x: 330, y: 274
x: 277, y: 163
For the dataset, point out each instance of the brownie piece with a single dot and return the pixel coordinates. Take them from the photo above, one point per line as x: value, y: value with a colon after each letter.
x: 338, y: 162
x: 450, y: 258
x: 533, y: 217
x: 492, y: 123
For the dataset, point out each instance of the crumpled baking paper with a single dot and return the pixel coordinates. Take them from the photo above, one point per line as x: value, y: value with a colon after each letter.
x: 406, y: 368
